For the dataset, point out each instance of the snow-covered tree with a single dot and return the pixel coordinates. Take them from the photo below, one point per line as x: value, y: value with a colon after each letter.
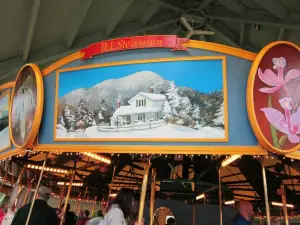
x: 173, y: 97
x: 219, y: 120
x: 100, y: 116
x: 167, y: 111
x: 68, y: 118
x: 195, y: 112
x: 184, y: 107
x: 82, y: 118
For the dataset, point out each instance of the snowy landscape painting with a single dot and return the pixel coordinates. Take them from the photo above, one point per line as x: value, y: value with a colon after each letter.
x: 4, y: 130
x: 164, y: 100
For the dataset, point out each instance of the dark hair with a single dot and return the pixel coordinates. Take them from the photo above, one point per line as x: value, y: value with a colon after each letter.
x: 124, y: 199
x: 99, y: 213
x: 171, y: 220
x: 87, y: 213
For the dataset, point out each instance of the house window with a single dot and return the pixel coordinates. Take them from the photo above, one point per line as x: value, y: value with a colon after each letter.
x: 137, y: 103
x: 144, y: 102
x: 141, y: 117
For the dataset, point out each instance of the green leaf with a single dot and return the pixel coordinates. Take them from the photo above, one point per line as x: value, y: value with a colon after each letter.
x: 282, y: 140
x: 273, y: 129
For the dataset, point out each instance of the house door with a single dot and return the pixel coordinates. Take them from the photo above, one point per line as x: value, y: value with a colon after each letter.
x: 141, y: 117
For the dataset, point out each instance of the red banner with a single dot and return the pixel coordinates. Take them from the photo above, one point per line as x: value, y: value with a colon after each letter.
x: 137, y: 42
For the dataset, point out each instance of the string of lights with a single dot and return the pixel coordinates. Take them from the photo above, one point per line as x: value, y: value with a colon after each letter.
x: 76, y: 184
x: 48, y: 169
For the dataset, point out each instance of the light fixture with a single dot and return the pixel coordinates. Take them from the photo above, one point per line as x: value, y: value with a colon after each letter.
x: 98, y: 157
x: 76, y: 184
x: 53, y: 170
x: 231, y: 202
x: 281, y: 205
x: 113, y: 195
x: 229, y: 160
x: 200, y: 196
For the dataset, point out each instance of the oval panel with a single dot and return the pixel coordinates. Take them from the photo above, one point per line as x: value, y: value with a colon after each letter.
x: 273, y: 97
x: 26, y: 106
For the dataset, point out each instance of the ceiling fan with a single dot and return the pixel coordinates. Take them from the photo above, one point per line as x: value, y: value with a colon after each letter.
x: 191, y: 31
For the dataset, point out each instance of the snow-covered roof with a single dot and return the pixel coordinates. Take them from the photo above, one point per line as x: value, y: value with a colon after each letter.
x: 130, y: 110
x: 149, y: 96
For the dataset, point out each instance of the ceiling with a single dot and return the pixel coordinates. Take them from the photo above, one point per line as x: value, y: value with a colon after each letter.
x: 43, y: 31
x: 176, y: 176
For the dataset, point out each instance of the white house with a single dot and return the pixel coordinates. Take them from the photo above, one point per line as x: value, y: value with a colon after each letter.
x: 142, y: 107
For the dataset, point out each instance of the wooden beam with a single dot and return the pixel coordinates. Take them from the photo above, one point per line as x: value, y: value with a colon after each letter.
x: 203, y: 4
x: 166, y: 5
x: 280, y: 34
x: 234, y: 6
x: 266, y: 23
x: 242, y: 32
x: 274, y: 7
x: 30, y: 31
x: 76, y: 22
x: 149, y: 13
x: 222, y: 35
x: 117, y: 14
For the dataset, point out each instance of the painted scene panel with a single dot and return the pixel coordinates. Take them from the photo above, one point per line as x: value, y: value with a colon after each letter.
x: 4, y: 121
x: 155, y: 100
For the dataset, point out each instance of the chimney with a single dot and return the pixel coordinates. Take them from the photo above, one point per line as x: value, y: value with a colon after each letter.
x: 150, y: 90
x: 118, y: 103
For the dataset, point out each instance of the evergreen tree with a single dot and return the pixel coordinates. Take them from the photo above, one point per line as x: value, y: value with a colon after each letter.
x: 82, y: 118
x: 173, y: 97
x: 195, y: 112
x: 68, y: 118
x: 167, y: 111
x: 219, y: 120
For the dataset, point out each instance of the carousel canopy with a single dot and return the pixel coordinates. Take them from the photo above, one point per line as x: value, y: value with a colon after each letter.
x: 176, y: 176
x: 42, y: 32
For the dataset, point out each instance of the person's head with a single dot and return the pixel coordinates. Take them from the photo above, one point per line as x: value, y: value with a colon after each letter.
x: 171, y: 221
x: 44, y: 193
x: 126, y: 199
x: 86, y: 213
x: 245, y: 209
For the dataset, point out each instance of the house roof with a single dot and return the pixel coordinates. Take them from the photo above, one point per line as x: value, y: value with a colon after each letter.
x: 150, y: 96
x: 130, y: 110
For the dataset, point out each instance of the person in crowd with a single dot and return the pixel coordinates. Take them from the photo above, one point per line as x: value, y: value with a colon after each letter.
x: 83, y: 217
x: 42, y: 213
x: 70, y: 217
x: 245, y: 213
x: 123, y: 206
x: 3, y: 211
x: 96, y: 220
x: 171, y: 221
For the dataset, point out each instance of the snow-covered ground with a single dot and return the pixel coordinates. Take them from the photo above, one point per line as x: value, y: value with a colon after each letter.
x: 168, y: 131
x: 4, y: 138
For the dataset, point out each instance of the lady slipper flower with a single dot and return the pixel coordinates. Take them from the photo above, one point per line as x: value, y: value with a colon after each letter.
x: 277, y: 81
x: 289, y: 123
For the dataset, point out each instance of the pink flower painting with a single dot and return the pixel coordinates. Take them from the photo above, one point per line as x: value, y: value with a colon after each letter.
x: 287, y: 118
x: 277, y: 81
x: 287, y: 123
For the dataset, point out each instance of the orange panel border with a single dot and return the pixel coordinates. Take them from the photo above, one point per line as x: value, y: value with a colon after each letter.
x: 176, y: 59
x: 39, y: 107
x: 250, y: 101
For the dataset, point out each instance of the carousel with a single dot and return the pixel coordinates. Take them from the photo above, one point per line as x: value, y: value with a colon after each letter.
x: 193, y: 127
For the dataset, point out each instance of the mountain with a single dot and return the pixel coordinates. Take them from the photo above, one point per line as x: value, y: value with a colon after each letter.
x: 114, y: 89
x: 125, y: 88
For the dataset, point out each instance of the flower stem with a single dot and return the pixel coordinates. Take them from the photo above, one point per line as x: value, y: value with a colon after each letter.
x: 273, y: 129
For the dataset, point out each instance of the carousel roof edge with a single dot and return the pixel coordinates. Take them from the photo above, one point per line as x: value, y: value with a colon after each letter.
x: 224, y: 49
